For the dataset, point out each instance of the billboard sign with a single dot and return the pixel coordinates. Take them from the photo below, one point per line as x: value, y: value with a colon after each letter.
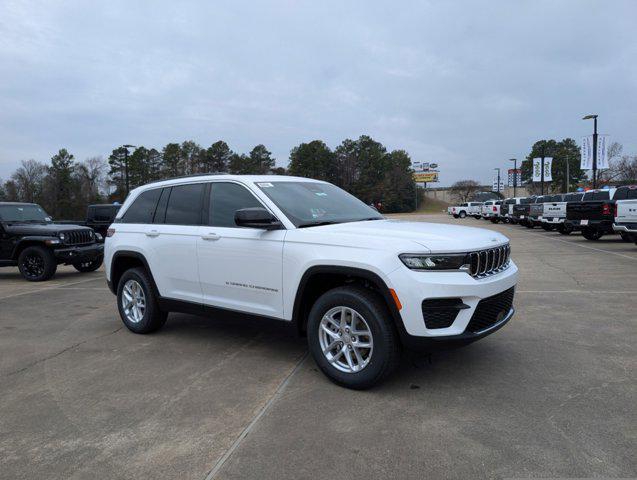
x: 425, y: 177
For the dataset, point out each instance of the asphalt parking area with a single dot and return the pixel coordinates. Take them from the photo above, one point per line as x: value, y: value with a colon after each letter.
x: 553, y: 394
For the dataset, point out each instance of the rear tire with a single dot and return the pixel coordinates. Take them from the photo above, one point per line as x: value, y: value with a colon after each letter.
x: 547, y: 227
x: 346, y: 311
x: 91, y: 266
x: 37, y: 264
x: 462, y: 214
x: 565, y: 229
x: 529, y: 224
x: 591, y: 234
x: 137, y: 303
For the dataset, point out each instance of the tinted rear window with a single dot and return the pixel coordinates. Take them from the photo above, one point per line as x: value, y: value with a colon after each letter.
x: 631, y: 194
x: 525, y: 201
x: 143, y: 208
x: 184, y: 205
x: 602, y: 195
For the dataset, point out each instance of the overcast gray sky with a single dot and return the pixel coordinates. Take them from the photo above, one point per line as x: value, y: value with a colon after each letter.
x: 464, y: 84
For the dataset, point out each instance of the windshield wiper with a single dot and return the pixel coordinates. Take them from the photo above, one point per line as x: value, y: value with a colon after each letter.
x: 317, y: 224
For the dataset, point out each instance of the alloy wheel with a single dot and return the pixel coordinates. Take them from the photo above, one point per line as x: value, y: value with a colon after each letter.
x: 33, y: 265
x: 346, y: 339
x: 133, y: 301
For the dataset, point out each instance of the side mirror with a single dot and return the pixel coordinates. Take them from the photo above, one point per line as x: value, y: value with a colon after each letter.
x: 256, y: 217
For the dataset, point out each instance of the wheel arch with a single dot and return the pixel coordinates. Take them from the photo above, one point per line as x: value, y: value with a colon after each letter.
x: 319, y: 279
x: 28, y: 242
x: 124, y: 260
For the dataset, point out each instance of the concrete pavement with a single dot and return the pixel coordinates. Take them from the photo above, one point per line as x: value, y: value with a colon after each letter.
x: 552, y: 394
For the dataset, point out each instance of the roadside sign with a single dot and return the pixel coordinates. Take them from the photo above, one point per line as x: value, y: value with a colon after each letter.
x: 425, y: 177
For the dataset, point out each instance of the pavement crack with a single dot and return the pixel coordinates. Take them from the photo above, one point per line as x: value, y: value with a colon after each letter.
x: 57, y: 354
x: 246, y: 431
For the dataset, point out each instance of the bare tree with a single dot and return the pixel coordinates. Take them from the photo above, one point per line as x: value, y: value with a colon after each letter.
x: 91, y: 174
x: 28, y: 179
x: 463, y: 190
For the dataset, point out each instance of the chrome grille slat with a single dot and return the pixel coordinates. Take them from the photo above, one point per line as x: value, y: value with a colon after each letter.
x: 489, y: 261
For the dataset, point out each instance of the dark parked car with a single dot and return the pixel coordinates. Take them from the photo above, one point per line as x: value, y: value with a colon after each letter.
x: 36, y: 245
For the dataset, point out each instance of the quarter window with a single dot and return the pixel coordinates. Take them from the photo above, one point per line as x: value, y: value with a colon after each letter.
x: 184, y: 204
x: 143, y: 207
x: 225, y: 199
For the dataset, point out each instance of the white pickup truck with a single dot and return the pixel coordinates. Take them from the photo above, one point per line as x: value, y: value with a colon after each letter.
x: 491, y: 210
x: 626, y: 215
x: 467, y: 209
x: 554, y: 213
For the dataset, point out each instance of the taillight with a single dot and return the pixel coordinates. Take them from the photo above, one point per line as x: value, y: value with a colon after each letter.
x: 110, y: 232
x: 495, y: 209
x: 615, y: 211
x: 606, y: 209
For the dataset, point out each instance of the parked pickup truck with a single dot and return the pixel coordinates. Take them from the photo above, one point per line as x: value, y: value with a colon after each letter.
x: 506, y: 211
x: 626, y: 215
x: 98, y: 217
x: 536, y: 210
x: 491, y: 210
x: 554, y: 213
x: 521, y: 211
x: 475, y: 210
x: 595, y: 214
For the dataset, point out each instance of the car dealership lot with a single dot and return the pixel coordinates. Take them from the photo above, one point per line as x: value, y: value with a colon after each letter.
x: 551, y: 394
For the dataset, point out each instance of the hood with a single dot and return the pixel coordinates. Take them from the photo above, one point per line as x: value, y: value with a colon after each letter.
x: 43, y: 229
x: 435, y: 237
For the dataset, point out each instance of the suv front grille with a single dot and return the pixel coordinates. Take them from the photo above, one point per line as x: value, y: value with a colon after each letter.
x: 491, y: 310
x: 490, y: 261
x: 78, y: 237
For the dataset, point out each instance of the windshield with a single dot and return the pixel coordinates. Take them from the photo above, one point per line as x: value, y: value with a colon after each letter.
x: 23, y: 213
x: 312, y: 203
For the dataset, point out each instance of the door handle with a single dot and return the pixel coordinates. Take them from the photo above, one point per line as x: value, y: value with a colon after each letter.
x: 152, y: 233
x: 210, y: 236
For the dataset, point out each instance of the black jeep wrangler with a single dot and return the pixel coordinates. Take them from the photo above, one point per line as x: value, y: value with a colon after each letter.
x: 30, y: 240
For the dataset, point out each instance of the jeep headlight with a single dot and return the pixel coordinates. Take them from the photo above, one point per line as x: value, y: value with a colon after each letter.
x: 61, y: 235
x: 439, y: 262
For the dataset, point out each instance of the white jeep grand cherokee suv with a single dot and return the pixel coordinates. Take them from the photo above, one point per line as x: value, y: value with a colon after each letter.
x: 361, y: 287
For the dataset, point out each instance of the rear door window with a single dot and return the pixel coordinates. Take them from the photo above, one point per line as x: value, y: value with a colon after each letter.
x: 143, y: 207
x: 184, y: 204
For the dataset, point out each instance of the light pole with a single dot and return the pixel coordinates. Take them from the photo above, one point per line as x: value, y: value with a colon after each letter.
x: 515, y: 174
x: 594, y: 117
x: 498, y: 187
x: 126, y: 147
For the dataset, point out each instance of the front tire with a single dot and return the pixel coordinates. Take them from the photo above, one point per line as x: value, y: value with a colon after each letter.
x: 37, y: 264
x: 137, y: 304
x: 89, y: 266
x: 352, y: 338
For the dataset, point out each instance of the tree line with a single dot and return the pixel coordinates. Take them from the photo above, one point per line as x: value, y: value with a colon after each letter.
x: 64, y: 187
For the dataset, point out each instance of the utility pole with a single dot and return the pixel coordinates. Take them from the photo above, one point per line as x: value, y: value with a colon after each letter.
x: 594, y: 117
x: 126, y: 147
x: 515, y: 174
x: 568, y: 176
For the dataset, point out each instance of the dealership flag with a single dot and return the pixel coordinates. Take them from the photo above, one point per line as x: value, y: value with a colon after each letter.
x: 537, y: 169
x: 586, y: 152
x: 547, y: 169
x: 602, y: 152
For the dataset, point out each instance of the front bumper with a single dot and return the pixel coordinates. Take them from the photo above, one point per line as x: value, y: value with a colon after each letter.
x: 79, y: 254
x: 412, y: 287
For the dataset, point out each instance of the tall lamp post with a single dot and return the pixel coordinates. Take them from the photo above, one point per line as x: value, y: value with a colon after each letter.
x: 126, y: 147
x: 515, y: 175
x: 498, y: 187
x: 594, y: 117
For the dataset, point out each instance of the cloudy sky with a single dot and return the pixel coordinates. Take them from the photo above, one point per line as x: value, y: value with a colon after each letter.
x: 464, y: 84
